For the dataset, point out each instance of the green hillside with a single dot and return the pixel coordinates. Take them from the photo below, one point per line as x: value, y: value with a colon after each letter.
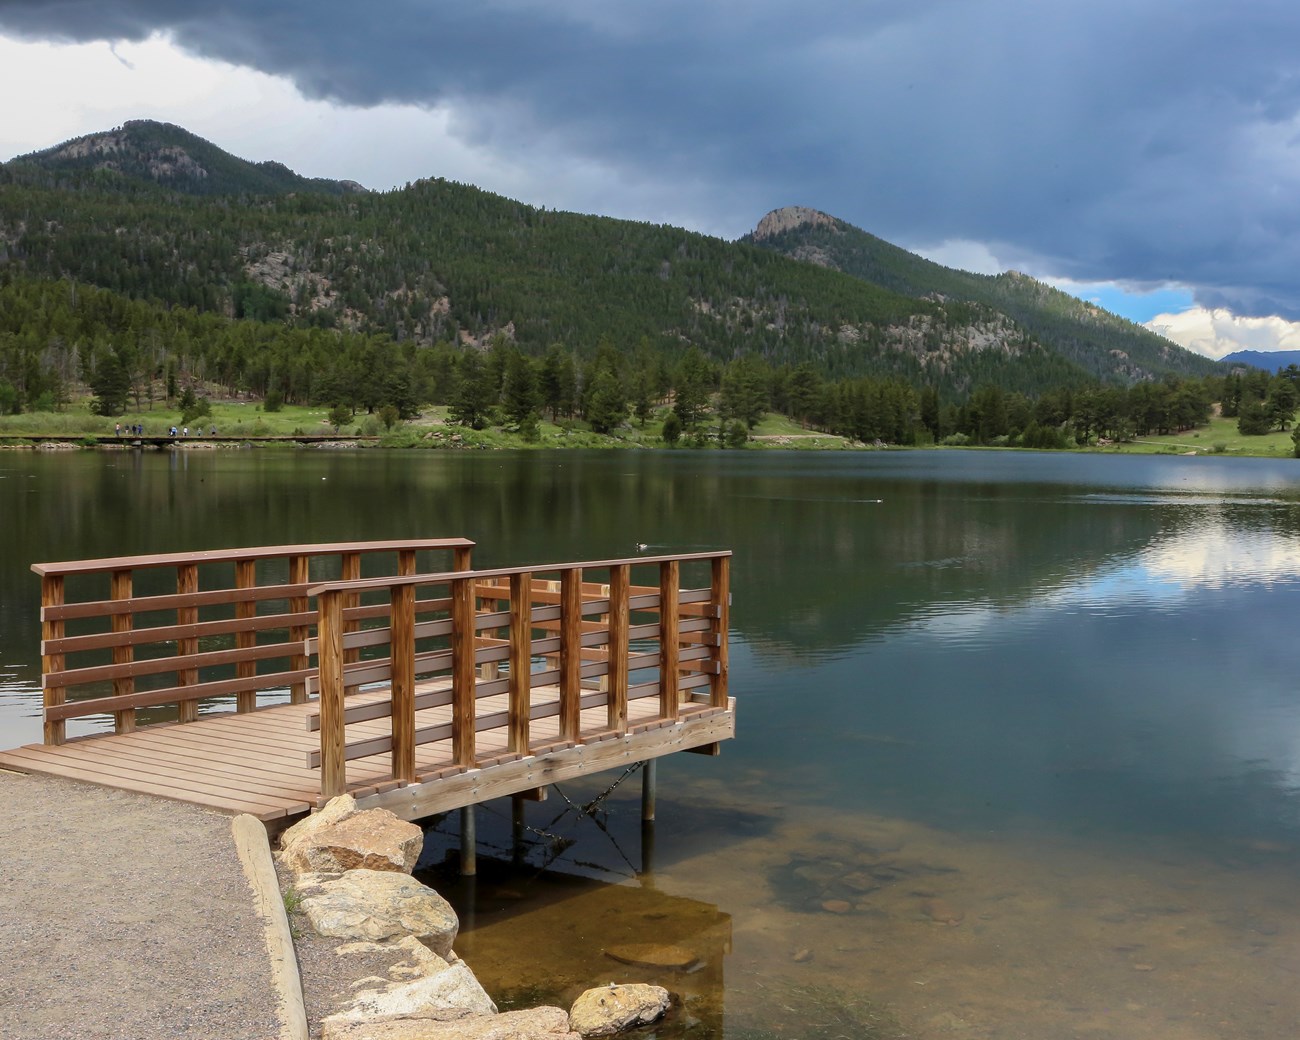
x: 1108, y: 347
x: 438, y: 261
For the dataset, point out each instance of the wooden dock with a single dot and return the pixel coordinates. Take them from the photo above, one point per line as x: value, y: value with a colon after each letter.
x: 418, y: 691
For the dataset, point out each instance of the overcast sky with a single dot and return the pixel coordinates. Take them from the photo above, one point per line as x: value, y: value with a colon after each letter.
x: 1142, y: 153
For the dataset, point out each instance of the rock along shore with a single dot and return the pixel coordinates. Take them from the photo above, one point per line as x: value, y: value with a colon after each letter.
x: 349, y: 877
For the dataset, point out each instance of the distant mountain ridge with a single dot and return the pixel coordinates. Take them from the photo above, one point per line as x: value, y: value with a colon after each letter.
x: 1107, y: 346
x: 174, y: 158
x: 1268, y: 360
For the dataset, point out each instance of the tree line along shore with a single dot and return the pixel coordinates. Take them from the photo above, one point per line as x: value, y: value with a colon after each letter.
x: 80, y: 360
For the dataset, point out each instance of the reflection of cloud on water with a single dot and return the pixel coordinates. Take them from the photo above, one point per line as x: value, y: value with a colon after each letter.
x: 1216, y: 554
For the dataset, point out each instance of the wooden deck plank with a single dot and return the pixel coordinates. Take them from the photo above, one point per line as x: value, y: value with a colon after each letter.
x: 258, y: 771
x: 48, y: 765
x: 254, y: 762
x: 157, y: 775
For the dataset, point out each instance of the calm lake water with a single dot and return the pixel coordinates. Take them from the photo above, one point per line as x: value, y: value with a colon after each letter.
x: 1018, y: 741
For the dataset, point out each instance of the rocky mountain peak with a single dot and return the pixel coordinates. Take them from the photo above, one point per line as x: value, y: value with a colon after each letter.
x: 790, y: 217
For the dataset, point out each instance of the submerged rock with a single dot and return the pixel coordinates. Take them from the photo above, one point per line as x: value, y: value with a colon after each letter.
x: 653, y: 955
x: 941, y: 913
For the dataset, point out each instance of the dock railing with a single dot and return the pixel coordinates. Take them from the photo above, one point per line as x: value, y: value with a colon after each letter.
x: 505, y: 663
x: 209, y: 626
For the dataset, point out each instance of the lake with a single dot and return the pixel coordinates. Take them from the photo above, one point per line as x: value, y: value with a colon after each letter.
x: 1018, y: 735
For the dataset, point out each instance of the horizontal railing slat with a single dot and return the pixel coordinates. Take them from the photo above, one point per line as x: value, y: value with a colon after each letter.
x: 161, y: 665
x: 259, y: 552
x: 171, y: 633
x: 174, y: 694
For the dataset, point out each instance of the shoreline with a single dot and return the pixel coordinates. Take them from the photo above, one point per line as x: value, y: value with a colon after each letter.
x: 467, y: 441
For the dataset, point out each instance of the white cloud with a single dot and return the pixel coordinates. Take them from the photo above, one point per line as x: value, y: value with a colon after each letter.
x: 1217, y: 332
x: 74, y: 89
x: 964, y: 255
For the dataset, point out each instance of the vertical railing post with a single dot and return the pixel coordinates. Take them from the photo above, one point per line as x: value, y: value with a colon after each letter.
x: 720, y: 598
x: 329, y: 632
x: 52, y: 596
x: 463, y: 619
x: 123, y: 721
x: 619, y: 583
x: 402, y: 654
x: 669, y: 623
x: 245, y: 578
x: 187, y: 583
x: 521, y: 661
x: 350, y: 570
x: 461, y: 556
x: 299, y: 574
x: 570, y: 653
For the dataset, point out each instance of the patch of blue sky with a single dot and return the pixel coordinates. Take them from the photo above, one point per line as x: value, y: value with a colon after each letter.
x: 1132, y: 304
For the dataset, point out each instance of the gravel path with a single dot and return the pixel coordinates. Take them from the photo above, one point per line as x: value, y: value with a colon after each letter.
x: 123, y: 916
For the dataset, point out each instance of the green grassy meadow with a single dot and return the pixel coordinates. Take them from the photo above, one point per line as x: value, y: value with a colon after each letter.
x: 432, y: 429
x: 1220, y: 437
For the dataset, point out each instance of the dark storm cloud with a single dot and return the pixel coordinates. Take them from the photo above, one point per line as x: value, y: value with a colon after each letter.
x: 1147, y: 140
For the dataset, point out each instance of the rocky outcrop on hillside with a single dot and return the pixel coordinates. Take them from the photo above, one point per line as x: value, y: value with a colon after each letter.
x: 790, y: 217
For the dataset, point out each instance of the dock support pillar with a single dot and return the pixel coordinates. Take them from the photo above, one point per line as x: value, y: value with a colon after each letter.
x: 468, y: 842
x: 517, y: 829
x: 648, y: 771
x: 647, y: 876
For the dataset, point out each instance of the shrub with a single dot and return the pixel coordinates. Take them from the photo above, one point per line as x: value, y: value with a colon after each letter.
x: 672, y: 431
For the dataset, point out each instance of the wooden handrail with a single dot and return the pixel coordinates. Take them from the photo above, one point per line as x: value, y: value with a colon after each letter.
x: 691, y: 661
x: 128, y: 637
x: 259, y: 552
x: 441, y: 577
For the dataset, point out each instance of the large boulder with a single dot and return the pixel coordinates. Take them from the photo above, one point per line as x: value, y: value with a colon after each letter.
x: 335, y: 809
x: 450, y: 994
x: 379, y: 904
x: 611, y: 1009
x: 410, y: 958
x: 372, y: 839
x: 542, y: 1023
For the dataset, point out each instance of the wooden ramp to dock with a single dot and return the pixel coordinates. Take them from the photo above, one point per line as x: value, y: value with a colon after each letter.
x: 412, y: 691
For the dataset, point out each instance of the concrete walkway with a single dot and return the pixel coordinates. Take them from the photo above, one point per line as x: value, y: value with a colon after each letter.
x: 125, y: 916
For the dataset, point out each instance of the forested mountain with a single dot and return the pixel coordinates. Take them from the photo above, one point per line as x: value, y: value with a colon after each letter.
x: 438, y: 261
x: 1108, y: 347
x: 146, y: 261
x: 177, y: 159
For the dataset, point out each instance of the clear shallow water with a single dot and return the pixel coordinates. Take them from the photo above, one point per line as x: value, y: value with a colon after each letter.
x: 1028, y: 724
